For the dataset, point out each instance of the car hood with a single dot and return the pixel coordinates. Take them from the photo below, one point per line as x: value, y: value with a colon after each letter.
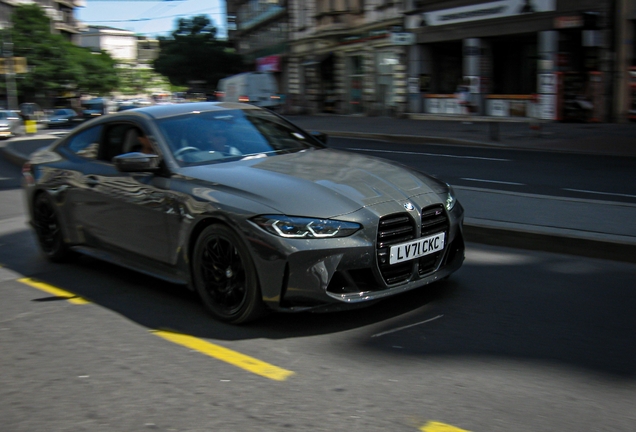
x: 322, y: 183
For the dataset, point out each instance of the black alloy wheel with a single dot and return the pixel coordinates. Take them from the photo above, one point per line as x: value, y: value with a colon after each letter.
x: 48, y: 229
x: 225, y: 276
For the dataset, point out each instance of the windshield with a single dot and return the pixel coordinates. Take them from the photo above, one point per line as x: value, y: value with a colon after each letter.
x: 220, y: 136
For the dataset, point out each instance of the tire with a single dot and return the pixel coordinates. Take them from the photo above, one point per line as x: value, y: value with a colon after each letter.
x: 225, y: 277
x: 48, y: 229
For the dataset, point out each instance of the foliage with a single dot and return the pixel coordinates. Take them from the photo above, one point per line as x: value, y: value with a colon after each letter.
x: 98, y: 71
x: 135, y: 80
x: 55, y: 64
x: 192, y: 56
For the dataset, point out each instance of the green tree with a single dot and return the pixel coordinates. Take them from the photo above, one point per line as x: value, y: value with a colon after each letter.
x: 97, y: 71
x: 193, y: 54
x: 135, y: 79
x: 55, y: 64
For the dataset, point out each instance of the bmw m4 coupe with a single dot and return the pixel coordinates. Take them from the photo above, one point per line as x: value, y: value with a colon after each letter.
x: 240, y: 205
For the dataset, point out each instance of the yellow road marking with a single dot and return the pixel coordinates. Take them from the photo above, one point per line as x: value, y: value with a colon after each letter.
x: 440, y: 427
x: 237, y: 359
x: 69, y: 296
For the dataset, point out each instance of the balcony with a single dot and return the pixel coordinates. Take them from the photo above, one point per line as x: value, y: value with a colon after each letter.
x: 334, y: 21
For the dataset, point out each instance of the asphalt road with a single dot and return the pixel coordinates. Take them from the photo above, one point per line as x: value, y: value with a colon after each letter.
x: 582, y: 176
x: 9, y: 176
x: 514, y: 341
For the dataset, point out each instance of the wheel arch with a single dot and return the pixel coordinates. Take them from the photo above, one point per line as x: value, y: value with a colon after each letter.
x: 196, y: 232
x: 56, y: 208
x: 256, y: 306
x: 194, y: 235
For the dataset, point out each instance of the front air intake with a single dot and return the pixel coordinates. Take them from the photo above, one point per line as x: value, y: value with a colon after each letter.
x: 392, y: 230
x: 434, y: 221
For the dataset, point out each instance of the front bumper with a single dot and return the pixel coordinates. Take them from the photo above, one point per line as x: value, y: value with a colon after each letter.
x: 319, y: 274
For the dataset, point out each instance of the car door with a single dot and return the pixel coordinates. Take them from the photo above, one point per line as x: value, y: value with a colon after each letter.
x: 122, y: 212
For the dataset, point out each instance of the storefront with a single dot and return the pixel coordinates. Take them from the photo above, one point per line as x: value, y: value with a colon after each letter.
x: 354, y: 87
x: 355, y: 73
x: 518, y: 58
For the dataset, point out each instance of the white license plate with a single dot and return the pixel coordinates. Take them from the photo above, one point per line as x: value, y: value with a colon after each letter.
x: 416, y: 248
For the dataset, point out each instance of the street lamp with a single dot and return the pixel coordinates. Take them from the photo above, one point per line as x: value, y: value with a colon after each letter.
x: 9, y: 72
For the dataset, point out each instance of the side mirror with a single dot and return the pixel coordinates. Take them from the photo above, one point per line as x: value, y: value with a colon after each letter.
x: 136, y: 162
x: 320, y: 136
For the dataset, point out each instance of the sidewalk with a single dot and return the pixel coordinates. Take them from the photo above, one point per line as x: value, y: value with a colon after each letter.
x: 594, y: 228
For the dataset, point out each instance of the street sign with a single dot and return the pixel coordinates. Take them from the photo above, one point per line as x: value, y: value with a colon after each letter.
x: 402, y: 38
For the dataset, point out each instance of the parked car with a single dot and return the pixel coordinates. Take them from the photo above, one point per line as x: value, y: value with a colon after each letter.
x: 63, y: 118
x: 97, y: 107
x: 32, y: 111
x: 10, y: 124
x: 127, y: 106
x: 239, y: 204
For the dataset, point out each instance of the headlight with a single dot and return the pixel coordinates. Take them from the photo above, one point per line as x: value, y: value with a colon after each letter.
x: 300, y: 227
x: 450, y: 199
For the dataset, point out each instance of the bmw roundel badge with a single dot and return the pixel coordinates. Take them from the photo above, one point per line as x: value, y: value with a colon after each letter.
x: 409, y: 206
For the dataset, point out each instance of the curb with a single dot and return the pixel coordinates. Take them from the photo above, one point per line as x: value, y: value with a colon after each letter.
x: 413, y: 139
x: 562, y: 243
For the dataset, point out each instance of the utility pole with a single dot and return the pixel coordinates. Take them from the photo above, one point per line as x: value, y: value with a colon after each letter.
x: 9, y: 71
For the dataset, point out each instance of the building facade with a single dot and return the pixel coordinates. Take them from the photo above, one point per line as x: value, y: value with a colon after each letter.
x: 549, y: 59
x: 259, y: 30
x: 120, y: 44
x: 61, y: 13
x: 345, y: 57
x: 569, y: 60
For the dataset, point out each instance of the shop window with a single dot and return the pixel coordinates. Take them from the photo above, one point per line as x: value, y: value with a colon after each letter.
x: 447, y: 60
x: 514, y: 60
x: 355, y: 84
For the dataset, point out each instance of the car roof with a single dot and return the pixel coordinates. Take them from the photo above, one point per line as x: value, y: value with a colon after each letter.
x: 171, y: 110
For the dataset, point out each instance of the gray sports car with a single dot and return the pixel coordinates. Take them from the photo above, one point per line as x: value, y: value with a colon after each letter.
x: 237, y: 203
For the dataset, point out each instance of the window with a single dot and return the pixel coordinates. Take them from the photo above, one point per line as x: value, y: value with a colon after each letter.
x: 119, y: 140
x: 303, y: 15
x: 230, y: 135
x: 86, y: 144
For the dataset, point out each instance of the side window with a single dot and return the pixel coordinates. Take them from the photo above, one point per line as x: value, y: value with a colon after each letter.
x: 114, y: 141
x: 86, y: 143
